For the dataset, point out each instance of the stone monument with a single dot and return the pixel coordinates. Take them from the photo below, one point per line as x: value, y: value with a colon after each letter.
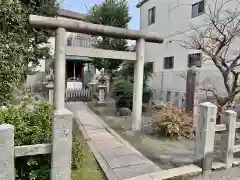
x: 50, y: 86
x: 101, y: 88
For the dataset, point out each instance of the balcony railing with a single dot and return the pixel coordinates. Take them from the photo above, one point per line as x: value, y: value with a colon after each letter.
x: 80, y: 42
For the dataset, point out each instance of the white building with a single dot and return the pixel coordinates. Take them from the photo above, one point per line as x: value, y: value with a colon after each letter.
x: 174, y: 19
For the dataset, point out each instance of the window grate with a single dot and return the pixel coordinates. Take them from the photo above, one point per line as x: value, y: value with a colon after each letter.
x: 198, y: 8
x: 195, y: 60
x: 168, y: 62
x: 151, y: 15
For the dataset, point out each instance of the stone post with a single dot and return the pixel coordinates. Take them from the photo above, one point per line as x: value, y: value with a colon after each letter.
x: 107, y: 84
x: 50, y: 92
x: 7, y: 152
x: 205, y: 135
x: 101, y: 91
x: 192, y: 94
x: 228, y: 137
x: 62, y: 118
x: 138, y: 86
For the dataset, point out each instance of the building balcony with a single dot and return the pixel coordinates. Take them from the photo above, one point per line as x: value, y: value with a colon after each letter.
x: 86, y: 42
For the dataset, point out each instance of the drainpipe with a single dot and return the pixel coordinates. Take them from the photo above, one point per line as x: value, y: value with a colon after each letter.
x: 161, y: 86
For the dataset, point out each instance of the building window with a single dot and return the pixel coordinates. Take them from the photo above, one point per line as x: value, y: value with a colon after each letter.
x: 195, y: 60
x: 168, y: 62
x: 69, y: 41
x: 198, y: 8
x: 151, y: 16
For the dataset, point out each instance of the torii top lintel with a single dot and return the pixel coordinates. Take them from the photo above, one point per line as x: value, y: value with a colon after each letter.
x: 93, y: 29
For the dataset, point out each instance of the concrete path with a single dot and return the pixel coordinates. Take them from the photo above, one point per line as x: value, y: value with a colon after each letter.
x: 118, y: 159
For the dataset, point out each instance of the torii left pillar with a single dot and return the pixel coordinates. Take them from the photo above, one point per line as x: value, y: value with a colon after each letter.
x: 62, y: 117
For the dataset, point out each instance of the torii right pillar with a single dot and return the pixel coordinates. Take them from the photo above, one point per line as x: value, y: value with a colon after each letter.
x: 138, y: 86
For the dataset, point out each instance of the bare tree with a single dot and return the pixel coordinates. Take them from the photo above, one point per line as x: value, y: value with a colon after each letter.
x: 217, y: 40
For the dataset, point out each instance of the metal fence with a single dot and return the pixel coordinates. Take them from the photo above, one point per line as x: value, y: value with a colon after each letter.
x: 78, y: 94
x: 171, y: 85
x: 81, y: 41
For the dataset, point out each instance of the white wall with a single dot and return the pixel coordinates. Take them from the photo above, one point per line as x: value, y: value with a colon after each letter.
x: 173, y: 21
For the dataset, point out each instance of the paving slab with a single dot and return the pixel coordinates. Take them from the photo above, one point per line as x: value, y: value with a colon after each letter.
x: 118, y: 159
x: 125, y: 160
x: 102, y: 146
x: 117, y: 152
x: 135, y: 170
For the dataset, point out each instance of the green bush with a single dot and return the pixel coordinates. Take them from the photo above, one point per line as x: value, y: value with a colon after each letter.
x: 147, y: 95
x: 171, y: 122
x: 32, y: 122
x: 123, y: 93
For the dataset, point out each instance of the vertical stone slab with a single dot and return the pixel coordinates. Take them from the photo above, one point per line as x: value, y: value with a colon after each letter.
x: 101, y: 91
x: 192, y: 94
x: 61, y: 145
x: 7, y: 152
x: 60, y: 69
x: 228, y: 137
x: 138, y: 86
x: 205, y: 135
x: 50, y: 92
x: 192, y: 75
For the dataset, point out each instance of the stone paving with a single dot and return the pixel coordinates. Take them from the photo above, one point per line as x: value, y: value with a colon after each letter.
x: 226, y: 174
x: 118, y: 159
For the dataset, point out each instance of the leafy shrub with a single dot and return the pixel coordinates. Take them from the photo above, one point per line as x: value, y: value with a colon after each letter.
x: 123, y: 93
x: 147, y: 95
x: 32, y: 123
x: 171, y: 122
x: 12, y: 35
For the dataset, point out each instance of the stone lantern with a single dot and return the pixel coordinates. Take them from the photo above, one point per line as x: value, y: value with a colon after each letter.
x: 102, y: 88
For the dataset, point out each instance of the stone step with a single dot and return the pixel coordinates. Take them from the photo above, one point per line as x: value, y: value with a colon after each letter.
x: 171, y: 173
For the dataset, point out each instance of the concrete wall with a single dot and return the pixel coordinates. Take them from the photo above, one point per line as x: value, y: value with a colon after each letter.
x: 174, y: 22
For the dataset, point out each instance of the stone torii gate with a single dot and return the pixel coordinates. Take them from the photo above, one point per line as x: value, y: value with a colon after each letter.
x: 63, y: 117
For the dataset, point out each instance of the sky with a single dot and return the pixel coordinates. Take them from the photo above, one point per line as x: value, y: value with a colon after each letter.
x: 82, y: 6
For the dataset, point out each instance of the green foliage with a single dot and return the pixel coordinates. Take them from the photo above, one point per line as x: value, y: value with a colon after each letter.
x: 32, y: 122
x: 20, y: 42
x: 171, y: 122
x: 12, y: 24
x: 147, y: 94
x: 38, y: 36
x: 112, y: 13
x: 84, y: 165
x: 123, y: 93
x: 127, y: 71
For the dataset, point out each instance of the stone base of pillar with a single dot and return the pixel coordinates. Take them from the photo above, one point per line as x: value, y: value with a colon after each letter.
x: 61, y: 144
